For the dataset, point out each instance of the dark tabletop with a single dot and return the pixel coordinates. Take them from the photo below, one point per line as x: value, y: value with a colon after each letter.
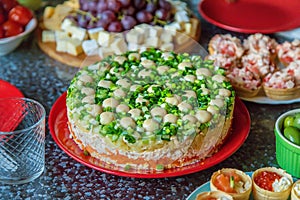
x: 44, y: 79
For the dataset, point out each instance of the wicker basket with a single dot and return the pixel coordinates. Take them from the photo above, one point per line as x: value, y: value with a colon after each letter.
x: 282, y: 94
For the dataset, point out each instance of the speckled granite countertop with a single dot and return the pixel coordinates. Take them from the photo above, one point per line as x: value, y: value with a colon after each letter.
x: 44, y: 79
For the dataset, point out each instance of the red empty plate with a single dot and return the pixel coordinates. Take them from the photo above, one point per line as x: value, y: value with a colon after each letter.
x: 11, y: 115
x: 252, y: 16
x: 9, y: 90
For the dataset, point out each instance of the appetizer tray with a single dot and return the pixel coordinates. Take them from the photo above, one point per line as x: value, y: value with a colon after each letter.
x: 251, y: 16
x: 61, y: 135
x: 9, y: 90
x: 82, y: 59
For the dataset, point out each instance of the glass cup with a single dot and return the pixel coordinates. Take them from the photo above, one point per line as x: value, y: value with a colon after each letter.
x: 22, y: 140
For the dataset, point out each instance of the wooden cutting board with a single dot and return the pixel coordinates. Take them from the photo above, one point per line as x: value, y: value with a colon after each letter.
x: 82, y: 60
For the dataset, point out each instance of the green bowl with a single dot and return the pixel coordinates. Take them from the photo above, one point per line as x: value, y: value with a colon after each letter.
x: 287, y: 153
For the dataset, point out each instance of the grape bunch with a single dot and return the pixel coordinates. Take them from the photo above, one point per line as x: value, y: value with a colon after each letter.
x: 121, y: 15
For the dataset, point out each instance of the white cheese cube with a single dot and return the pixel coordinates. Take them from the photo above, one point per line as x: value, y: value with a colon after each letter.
x: 181, y: 16
x: 143, y: 29
x: 59, y: 35
x: 74, y: 47
x: 104, y: 52
x: 66, y: 24
x: 104, y: 38
x: 167, y: 46
x: 134, y: 36
x: 77, y: 32
x: 173, y: 27
x: 61, y: 45
x: 90, y: 47
x: 48, y: 36
x: 94, y: 32
x: 166, y: 36
x: 119, y: 45
x: 152, y: 42
x: 133, y: 46
x: 155, y: 31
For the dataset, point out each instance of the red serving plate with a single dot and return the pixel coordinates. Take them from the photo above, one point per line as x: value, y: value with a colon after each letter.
x: 252, y: 16
x: 61, y: 135
x: 12, y: 115
x: 9, y: 90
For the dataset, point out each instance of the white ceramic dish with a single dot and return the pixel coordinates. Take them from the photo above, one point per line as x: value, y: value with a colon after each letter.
x: 266, y: 100
x: 9, y: 44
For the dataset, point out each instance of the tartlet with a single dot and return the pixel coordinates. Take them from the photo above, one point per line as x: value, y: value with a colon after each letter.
x: 232, y: 181
x: 260, y: 44
x: 245, y: 82
x: 295, y: 193
x: 227, y: 45
x: 281, y: 85
x: 278, y: 186
x: 288, y: 52
x: 213, y: 195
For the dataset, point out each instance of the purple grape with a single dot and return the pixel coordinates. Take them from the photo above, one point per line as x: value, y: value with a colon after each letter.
x: 128, y: 22
x: 108, y: 16
x: 139, y: 4
x: 92, y: 6
x: 144, y: 16
x: 162, y: 14
x: 114, y: 5
x: 115, y: 26
x: 101, y: 6
x: 125, y: 3
x: 165, y: 4
x: 88, y: 17
x: 82, y: 22
x: 102, y: 23
x: 85, y: 6
x: 130, y: 10
x: 151, y: 7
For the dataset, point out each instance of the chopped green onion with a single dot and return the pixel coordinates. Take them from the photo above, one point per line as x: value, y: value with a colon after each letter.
x: 231, y: 181
x: 160, y: 167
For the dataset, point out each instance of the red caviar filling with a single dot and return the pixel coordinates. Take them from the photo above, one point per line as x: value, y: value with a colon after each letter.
x: 265, y: 179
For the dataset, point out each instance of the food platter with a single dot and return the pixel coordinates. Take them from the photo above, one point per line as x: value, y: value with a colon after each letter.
x: 251, y: 16
x: 82, y: 59
x: 61, y: 135
x: 9, y: 90
x: 261, y: 98
x: 265, y: 100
